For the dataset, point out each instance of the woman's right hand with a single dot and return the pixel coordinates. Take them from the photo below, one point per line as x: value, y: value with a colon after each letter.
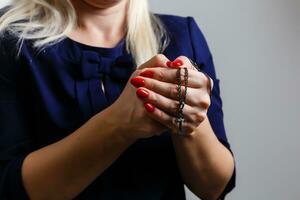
x: 130, y: 114
x: 93, y: 147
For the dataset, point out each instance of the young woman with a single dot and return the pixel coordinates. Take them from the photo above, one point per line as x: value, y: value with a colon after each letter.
x: 89, y: 102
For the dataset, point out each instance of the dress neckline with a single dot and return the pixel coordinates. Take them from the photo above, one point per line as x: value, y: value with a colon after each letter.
x: 117, y: 50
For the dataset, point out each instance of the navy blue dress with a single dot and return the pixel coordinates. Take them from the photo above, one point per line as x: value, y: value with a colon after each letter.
x: 44, y: 96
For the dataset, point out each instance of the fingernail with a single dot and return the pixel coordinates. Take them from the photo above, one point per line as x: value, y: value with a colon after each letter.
x: 142, y: 93
x: 147, y: 73
x: 177, y: 63
x: 137, y: 82
x: 149, y: 107
x: 169, y: 63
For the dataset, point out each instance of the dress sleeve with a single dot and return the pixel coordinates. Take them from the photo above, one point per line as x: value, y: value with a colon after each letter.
x: 14, y: 127
x: 203, y: 58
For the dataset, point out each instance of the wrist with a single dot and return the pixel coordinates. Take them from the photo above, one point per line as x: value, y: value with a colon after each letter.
x: 112, y: 119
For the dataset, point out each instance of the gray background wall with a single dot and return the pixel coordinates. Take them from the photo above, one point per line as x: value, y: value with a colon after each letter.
x: 256, y: 48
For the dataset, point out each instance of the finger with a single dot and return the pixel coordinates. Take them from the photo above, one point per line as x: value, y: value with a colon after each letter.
x: 198, y: 97
x: 188, y: 64
x: 193, y: 115
x: 169, y: 90
x: 170, y: 121
x: 158, y: 60
x: 181, y: 62
x: 168, y: 75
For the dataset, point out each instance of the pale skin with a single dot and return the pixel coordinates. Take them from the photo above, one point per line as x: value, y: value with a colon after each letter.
x: 205, y: 164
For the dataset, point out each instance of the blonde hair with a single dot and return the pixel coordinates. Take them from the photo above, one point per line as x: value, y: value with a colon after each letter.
x: 49, y: 21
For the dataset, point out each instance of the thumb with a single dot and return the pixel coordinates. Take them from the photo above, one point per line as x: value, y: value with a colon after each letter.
x: 158, y: 60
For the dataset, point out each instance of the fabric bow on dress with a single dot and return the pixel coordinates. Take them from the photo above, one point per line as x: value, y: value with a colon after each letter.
x: 95, y: 69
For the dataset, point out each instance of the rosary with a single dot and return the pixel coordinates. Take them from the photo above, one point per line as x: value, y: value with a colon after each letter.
x: 181, y: 98
x: 182, y: 95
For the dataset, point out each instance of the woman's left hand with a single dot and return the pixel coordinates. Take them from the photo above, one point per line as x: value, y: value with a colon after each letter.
x: 158, y: 86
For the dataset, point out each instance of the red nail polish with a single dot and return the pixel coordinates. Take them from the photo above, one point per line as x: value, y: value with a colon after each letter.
x: 149, y: 107
x: 169, y: 63
x: 177, y: 63
x: 137, y: 82
x: 147, y: 73
x: 142, y: 93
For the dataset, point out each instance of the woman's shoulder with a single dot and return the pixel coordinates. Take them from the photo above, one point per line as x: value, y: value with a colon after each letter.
x: 186, y: 34
x: 182, y: 28
x: 167, y: 18
x: 176, y: 22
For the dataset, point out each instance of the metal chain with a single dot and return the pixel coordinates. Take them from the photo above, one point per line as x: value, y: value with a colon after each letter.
x: 181, y: 98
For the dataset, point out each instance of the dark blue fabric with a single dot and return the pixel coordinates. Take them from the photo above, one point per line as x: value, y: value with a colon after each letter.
x: 44, y: 96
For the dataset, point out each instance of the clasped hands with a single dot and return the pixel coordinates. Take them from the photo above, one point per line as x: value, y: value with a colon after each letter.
x: 156, y: 86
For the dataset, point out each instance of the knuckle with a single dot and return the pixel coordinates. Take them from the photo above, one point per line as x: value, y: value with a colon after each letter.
x: 160, y: 75
x: 205, y: 103
x: 151, y: 85
x: 203, y: 79
x: 208, y: 100
x: 173, y: 122
x: 196, y: 101
x: 188, y: 127
x: 154, y: 99
x: 156, y: 59
x: 174, y: 107
x: 173, y: 91
x: 200, y: 116
x: 206, y: 79
x: 159, y: 58
x: 160, y: 114
x: 160, y: 55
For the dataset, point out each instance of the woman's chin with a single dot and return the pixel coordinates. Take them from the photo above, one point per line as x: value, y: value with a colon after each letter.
x: 102, y: 4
